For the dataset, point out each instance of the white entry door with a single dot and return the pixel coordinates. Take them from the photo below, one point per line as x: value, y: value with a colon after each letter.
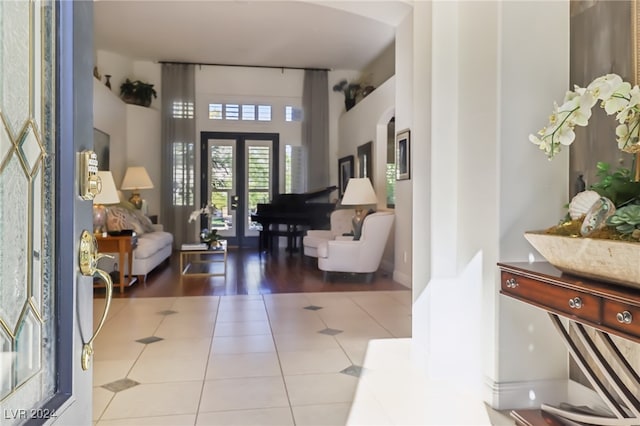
x: 45, y: 305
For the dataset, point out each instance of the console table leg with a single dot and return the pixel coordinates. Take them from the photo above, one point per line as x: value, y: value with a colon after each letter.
x: 622, y: 417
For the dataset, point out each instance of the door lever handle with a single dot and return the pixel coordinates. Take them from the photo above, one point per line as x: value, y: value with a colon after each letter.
x: 88, y: 258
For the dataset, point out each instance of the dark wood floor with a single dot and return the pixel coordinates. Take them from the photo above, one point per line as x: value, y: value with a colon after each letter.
x: 250, y: 273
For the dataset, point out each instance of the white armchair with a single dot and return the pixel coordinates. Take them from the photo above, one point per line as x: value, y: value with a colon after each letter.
x: 340, y: 224
x: 361, y: 256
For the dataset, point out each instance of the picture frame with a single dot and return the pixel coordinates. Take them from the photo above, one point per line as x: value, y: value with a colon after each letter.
x: 403, y: 155
x: 365, y: 161
x: 345, y: 172
x: 101, y: 141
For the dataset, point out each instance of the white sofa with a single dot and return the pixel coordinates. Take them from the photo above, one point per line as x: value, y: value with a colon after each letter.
x: 362, y: 256
x: 340, y: 224
x: 154, y: 244
x: 153, y: 248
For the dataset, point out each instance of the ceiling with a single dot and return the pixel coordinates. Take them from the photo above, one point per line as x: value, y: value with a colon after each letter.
x: 345, y: 35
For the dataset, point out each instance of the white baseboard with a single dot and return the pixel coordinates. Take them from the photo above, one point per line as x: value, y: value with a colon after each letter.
x: 525, y: 394
x: 402, y: 278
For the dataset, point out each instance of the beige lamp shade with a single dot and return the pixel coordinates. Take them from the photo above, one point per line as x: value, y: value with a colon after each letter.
x: 136, y: 178
x: 108, y: 194
x: 359, y: 192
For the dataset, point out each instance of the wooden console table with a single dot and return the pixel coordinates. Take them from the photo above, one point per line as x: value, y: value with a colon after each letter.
x: 123, y: 245
x: 609, y: 309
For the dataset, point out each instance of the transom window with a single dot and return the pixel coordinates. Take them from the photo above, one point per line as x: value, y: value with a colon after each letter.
x: 244, y: 112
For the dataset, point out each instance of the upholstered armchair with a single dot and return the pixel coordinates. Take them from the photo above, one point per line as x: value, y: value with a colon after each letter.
x: 362, y: 256
x: 340, y: 224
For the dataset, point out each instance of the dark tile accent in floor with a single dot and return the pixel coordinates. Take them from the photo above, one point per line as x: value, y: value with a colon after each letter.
x: 120, y: 385
x: 313, y: 307
x: 150, y: 339
x: 353, y: 370
x: 330, y: 331
x: 167, y: 312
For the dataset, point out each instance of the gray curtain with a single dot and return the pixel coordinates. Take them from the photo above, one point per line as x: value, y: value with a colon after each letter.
x: 315, y: 128
x: 178, y: 151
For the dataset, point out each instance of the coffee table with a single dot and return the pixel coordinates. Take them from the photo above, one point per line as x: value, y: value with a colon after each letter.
x: 215, y: 255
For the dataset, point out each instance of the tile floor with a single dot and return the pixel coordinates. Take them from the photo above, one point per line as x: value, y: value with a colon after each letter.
x: 282, y: 359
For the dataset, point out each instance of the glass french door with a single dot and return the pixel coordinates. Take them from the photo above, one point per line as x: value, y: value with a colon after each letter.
x: 45, y: 118
x: 239, y: 171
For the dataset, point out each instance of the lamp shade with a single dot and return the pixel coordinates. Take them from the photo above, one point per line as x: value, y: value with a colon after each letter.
x: 108, y: 194
x: 136, y: 178
x: 359, y: 192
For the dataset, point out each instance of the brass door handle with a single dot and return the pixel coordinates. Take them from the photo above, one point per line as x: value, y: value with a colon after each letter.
x: 88, y: 258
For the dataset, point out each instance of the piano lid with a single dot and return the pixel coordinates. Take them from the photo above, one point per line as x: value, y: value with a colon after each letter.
x: 301, y: 198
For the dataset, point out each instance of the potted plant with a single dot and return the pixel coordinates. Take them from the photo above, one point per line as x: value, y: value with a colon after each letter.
x: 137, y: 92
x: 601, y: 234
x: 350, y: 90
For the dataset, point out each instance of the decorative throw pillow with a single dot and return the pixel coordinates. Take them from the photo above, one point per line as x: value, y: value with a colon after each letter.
x: 119, y: 218
x: 143, y: 220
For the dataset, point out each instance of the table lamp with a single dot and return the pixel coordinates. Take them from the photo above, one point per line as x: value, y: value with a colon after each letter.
x: 108, y: 195
x: 359, y: 193
x: 135, y: 179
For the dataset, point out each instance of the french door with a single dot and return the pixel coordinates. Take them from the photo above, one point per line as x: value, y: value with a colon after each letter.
x: 238, y: 171
x: 45, y: 119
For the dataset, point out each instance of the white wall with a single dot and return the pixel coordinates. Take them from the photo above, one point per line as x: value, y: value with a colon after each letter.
x: 481, y: 70
x: 274, y: 87
x: 367, y: 121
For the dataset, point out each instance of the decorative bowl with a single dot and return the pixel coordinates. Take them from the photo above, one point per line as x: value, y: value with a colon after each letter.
x: 611, y: 261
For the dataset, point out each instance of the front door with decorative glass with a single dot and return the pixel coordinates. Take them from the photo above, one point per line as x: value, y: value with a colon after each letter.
x: 45, y: 118
x: 239, y: 171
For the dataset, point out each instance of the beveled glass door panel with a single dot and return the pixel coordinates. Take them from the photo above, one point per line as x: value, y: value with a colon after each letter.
x: 27, y: 215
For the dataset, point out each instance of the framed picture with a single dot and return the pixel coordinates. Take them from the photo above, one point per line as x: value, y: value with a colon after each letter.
x: 101, y: 148
x: 365, y: 161
x: 403, y: 155
x: 345, y: 172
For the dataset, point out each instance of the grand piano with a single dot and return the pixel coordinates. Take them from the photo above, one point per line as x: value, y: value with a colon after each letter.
x: 289, y: 215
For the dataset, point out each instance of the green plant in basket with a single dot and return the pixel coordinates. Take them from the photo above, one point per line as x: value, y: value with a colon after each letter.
x: 626, y: 220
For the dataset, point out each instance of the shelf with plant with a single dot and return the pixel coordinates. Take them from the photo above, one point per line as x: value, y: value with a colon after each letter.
x: 137, y: 92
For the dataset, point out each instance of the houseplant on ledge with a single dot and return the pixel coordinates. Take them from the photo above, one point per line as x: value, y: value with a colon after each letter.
x: 600, y: 237
x: 137, y: 92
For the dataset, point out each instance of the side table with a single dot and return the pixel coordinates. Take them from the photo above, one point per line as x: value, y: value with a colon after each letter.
x: 204, y: 256
x: 124, y: 246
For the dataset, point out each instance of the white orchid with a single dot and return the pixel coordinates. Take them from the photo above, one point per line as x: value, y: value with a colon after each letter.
x: 616, y: 97
x: 207, y: 210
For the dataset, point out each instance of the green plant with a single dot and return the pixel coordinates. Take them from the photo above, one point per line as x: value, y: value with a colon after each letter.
x: 350, y: 91
x: 137, y: 92
x: 626, y: 220
x: 618, y: 186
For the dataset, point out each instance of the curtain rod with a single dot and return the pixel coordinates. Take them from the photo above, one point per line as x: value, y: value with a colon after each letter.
x: 245, y: 66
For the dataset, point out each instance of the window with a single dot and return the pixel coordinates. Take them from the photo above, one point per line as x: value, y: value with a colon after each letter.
x: 248, y: 112
x: 221, y: 184
x: 293, y: 167
x: 264, y: 112
x: 182, y: 109
x: 231, y: 111
x: 215, y: 111
x: 292, y: 114
x: 258, y: 178
x: 183, y: 174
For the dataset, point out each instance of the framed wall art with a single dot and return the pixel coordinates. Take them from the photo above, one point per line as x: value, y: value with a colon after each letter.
x: 403, y: 155
x: 345, y: 172
x: 365, y: 161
